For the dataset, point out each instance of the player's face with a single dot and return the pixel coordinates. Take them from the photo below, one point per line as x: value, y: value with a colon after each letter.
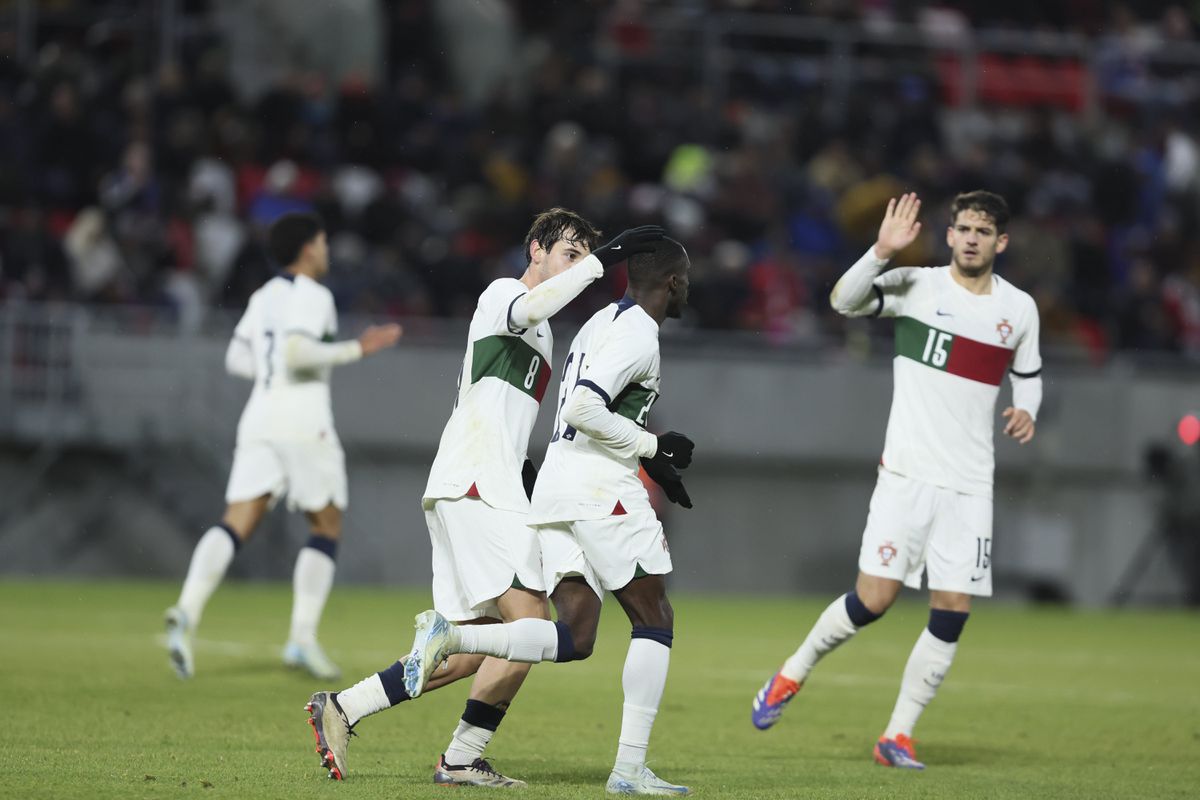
x: 318, y: 254
x: 562, y: 255
x: 974, y: 242
x: 677, y: 292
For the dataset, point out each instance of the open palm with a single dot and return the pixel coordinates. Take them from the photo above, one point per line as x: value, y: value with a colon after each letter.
x: 900, y: 226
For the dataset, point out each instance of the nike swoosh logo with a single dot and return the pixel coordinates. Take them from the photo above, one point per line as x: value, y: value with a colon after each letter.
x: 616, y: 247
x: 973, y: 578
x: 941, y: 313
x: 540, y: 335
x: 668, y: 455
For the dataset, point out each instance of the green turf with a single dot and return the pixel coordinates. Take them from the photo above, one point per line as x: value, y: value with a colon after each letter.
x: 1039, y: 703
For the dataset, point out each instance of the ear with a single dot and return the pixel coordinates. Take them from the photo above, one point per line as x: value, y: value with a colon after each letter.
x: 950, y: 236
x: 1002, y: 243
x: 535, y: 247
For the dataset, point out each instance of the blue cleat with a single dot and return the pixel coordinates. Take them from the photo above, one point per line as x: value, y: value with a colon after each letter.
x: 771, y: 700
x: 431, y: 647
x: 643, y: 782
x: 898, y: 752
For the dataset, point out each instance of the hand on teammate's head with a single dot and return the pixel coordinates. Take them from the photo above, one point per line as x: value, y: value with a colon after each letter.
x: 628, y: 243
x: 380, y: 337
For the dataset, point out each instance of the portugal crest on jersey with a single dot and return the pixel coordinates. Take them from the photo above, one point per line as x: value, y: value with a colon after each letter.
x: 1005, y: 330
x: 887, y: 551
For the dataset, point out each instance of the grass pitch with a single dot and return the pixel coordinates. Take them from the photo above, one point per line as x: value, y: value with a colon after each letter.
x: 1039, y: 703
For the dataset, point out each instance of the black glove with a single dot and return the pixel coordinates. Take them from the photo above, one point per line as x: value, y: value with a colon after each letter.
x: 674, y: 449
x: 628, y: 243
x: 668, y: 478
x: 528, y: 477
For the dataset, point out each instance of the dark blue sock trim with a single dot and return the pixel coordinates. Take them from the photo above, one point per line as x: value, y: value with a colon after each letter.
x: 860, y: 615
x: 323, y: 544
x: 566, y: 643
x: 947, y: 625
x: 482, y: 715
x: 392, y: 679
x: 663, y: 636
x: 237, y: 543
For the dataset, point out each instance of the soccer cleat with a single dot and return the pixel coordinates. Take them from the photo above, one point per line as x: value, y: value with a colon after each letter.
x: 478, y: 773
x: 333, y: 732
x: 429, y: 650
x: 179, y: 642
x: 644, y: 782
x: 898, y: 752
x: 312, y: 658
x: 771, y: 700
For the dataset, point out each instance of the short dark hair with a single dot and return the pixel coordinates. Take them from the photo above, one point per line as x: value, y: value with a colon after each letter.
x: 988, y: 203
x: 288, y: 235
x: 550, y: 226
x: 648, y: 269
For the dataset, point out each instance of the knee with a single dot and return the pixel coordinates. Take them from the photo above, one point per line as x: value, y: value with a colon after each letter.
x: 327, y: 530
x: 661, y: 615
x: 584, y: 639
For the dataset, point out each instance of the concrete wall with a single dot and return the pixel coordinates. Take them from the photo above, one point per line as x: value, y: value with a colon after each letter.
x: 786, y: 448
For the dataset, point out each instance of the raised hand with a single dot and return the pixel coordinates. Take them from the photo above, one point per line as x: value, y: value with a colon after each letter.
x: 899, y: 227
x: 379, y: 337
x: 629, y: 242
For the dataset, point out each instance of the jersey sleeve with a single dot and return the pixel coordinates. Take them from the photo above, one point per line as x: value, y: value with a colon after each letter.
x: 496, y: 303
x: 1027, y: 361
x: 891, y: 289
x: 622, y: 357
x: 311, y: 313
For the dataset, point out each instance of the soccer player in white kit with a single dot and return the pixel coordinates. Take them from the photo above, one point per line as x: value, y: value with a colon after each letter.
x: 596, y: 528
x: 286, y: 442
x: 959, y: 329
x: 486, y: 565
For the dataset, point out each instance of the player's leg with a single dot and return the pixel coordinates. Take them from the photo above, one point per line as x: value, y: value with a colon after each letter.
x: 959, y: 565
x: 492, y: 692
x: 527, y: 640
x: 312, y: 580
x: 643, y: 680
x: 890, y: 555
x: 210, y: 560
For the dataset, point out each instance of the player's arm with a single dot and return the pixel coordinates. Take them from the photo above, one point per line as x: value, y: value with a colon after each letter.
x: 551, y: 296
x: 239, y: 356
x: 1026, y: 377
x: 863, y: 290
x: 309, y: 317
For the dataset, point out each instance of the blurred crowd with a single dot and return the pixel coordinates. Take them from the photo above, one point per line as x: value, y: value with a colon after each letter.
x: 122, y: 183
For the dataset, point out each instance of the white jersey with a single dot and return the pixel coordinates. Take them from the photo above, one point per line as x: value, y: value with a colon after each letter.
x: 953, y: 348
x: 615, y: 355
x: 287, y: 405
x: 503, y: 378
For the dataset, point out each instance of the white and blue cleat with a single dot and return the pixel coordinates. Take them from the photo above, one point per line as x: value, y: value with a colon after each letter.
x: 179, y: 642
x: 899, y: 752
x: 643, y: 782
x: 311, y: 658
x: 431, y: 646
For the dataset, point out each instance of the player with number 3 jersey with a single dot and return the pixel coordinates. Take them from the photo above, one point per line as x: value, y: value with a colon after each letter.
x: 959, y: 330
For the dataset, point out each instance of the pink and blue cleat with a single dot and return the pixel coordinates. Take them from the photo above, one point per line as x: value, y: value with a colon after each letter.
x: 898, y: 752
x: 771, y: 700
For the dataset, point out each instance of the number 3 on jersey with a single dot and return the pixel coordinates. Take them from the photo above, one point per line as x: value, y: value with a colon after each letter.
x: 567, y: 384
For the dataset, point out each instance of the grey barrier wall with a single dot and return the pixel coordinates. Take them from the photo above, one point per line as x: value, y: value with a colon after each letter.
x: 785, y: 459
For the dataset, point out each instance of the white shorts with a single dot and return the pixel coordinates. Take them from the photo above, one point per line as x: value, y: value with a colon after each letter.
x: 608, y: 553
x: 311, y: 474
x: 479, y: 553
x: 915, y: 526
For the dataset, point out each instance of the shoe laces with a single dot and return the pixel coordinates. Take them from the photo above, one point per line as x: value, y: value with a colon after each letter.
x: 482, y: 765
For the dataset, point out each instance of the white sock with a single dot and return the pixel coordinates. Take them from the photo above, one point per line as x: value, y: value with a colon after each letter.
x: 528, y: 641
x: 643, y: 680
x: 833, y: 628
x: 467, y: 744
x: 363, y: 699
x: 311, y: 581
x: 210, y: 559
x: 924, y: 673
